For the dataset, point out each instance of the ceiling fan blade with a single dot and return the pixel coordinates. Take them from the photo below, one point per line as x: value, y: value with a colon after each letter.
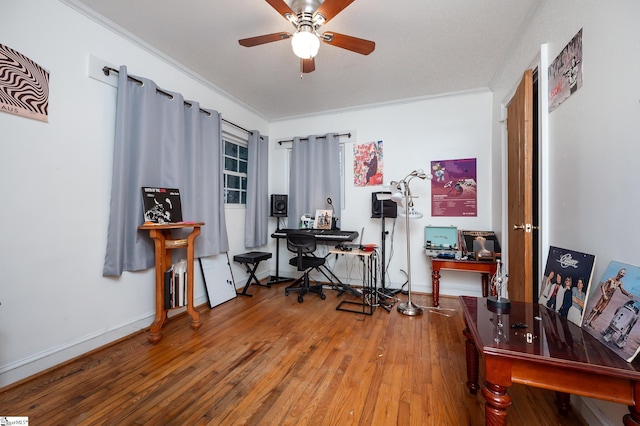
x: 331, y: 8
x: 283, y: 9
x: 307, y: 65
x: 354, y: 44
x: 267, y: 38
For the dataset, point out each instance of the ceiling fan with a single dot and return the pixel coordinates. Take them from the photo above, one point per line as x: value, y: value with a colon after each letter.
x: 307, y: 16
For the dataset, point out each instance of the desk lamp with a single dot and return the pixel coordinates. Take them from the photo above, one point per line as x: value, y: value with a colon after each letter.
x: 403, y: 197
x: 334, y: 219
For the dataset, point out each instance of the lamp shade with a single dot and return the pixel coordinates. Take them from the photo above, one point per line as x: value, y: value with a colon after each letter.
x: 305, y: 43
x: 397, y: 197
x: 411, y: 212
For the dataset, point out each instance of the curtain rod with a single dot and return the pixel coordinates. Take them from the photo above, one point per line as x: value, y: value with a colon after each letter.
x: 317, y: 137
x: 106, y: 70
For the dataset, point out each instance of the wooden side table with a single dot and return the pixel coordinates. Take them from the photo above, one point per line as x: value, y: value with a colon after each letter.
x: 164, y: 244
x: 485, y: 267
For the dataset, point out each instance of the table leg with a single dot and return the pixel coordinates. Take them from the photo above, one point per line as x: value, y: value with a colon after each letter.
x: 485, y: 286
x: 633, y: 418
x: 563, y: 402
x: 435, y: 283
x: 155, y: 330
x: 472, y: 363
x: 162, y: 258
x: 497, y: 401
x: 191, y: 310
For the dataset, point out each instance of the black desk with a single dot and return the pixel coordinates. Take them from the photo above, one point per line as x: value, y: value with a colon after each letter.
x: 325, y: 236
x: 322, y: 235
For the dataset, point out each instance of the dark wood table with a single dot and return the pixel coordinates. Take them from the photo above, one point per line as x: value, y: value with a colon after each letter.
x: 484, y: 267
x: 550, y: 353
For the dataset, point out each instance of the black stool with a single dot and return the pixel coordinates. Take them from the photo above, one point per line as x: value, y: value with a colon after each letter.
x: 251, y: 261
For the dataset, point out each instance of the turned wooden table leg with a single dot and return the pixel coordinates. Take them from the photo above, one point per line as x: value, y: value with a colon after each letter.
x: 563, y: 402
x: 485, y: 286
x: 195, y: 315
x: 161, y: 260
x: 497, y: 401
x: 435, y: 282
x: 633, y: 418
x: 472, y: 363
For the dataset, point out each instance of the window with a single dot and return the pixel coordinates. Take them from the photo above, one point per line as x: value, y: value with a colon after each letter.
x: 235, y: 172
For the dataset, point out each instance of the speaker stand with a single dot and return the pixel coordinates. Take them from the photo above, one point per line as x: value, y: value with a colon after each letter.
x: 276, y: 279
x: 387, y: 292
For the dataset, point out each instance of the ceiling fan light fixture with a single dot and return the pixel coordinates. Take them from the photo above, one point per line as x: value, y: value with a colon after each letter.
x: 305, y: 43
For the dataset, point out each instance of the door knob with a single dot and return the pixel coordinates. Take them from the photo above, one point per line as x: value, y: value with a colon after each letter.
x: 525, y: 227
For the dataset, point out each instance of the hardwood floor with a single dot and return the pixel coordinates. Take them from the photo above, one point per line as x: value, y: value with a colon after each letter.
x: 271, y: 360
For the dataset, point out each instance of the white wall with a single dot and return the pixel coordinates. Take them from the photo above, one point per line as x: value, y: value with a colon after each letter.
x: 413, y: 134
x: 56, y: 177
x: 593, y: 136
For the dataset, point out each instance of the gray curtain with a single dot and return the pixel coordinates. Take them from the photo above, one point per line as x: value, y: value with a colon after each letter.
x: 314, y: 177
x: 256, y: 226
x: 162, y: 142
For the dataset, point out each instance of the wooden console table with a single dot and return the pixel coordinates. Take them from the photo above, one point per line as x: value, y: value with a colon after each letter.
x: 486, y: 268
x: 549, y: 352
x: 164, y: 244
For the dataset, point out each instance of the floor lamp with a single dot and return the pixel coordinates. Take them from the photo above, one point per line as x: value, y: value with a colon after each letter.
x: 403, y: 197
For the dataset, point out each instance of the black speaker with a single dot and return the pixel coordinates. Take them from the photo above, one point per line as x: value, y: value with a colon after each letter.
x: 390, y: 207
x: 278, y: 205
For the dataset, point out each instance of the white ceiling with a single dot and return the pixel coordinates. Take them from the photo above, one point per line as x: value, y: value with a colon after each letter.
x: 423, y: 48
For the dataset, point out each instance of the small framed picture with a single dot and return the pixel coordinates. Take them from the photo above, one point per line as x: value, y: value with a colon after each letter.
x: 483, y: 249
x: 323, y: 219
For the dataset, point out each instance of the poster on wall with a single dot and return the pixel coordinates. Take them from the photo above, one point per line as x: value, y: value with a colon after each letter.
x: 453, y: 188
x: 368, y: 164
x: 565, y: 72
x: 24, y: 86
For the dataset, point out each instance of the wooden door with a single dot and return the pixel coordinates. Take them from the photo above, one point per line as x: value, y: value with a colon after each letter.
x: 519, y: 193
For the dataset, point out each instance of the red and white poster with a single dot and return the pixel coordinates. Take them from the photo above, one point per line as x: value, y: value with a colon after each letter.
x: 565, y: 73
x: 368, y: 164
x: 453, y: 188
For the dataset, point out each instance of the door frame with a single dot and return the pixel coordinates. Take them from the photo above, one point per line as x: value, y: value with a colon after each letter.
x: 541, y: 63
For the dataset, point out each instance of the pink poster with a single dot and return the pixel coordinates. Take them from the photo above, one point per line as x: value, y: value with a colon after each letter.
x: 367, y: 164
x: 453, y: 188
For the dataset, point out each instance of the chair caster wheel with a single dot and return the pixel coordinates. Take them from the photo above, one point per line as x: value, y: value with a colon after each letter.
x: 300, y: 300
x: 286, y: 293
x: 322, y: 296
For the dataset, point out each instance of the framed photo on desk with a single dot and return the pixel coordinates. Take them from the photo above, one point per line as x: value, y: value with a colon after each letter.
x: 323, y: 219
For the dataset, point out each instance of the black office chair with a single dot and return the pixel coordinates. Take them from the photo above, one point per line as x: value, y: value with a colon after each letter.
x: 304, y: 244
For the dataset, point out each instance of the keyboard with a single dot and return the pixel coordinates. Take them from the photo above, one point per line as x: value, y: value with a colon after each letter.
x: 321, y: 234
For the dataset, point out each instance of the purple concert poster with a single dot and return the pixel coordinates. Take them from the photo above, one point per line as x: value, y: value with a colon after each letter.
x: 453, y: 188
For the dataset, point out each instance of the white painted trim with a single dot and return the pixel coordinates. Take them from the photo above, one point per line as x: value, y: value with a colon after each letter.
x: 544, y: 149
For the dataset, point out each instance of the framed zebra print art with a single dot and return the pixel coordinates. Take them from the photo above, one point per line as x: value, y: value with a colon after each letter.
x: 24, y: 86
